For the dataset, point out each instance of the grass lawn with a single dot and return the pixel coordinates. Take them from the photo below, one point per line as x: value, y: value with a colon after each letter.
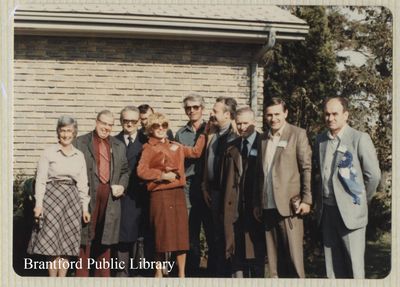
x: 377, y: 260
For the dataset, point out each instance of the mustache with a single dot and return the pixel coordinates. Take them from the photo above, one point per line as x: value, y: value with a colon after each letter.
x: 213, y: 119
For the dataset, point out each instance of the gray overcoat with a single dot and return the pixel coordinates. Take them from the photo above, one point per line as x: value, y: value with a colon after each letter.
x: 119, y: 174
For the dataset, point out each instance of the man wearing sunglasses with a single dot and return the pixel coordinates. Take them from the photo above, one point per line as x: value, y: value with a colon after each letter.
x: 198, y: 212
x: 131, y: 245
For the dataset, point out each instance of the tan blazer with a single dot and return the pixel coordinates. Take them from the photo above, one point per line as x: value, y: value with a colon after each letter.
x: 291, y: 169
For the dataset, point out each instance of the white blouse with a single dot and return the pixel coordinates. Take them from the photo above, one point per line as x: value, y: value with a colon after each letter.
x: 55, y: 164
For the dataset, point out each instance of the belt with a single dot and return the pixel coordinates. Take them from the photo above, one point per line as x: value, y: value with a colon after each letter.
x: 63, y: 181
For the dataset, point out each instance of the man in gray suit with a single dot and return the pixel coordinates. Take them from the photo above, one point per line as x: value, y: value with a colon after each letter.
x: 348, y: 177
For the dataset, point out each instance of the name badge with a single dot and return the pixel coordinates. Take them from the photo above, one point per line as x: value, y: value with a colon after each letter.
x: 253, y: 152
x: 282, y: 144
x: 342, y: 148
x: 174, y: 147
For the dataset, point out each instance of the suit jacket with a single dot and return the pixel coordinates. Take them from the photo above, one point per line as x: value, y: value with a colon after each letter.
x: 366, y: 164
x: 119, y: 174
x: 135, y: 198
x: 239, y: 181
x: 291, y: 169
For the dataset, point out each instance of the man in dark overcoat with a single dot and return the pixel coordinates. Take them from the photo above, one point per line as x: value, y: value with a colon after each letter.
x: 131, y: 245
x: 222, y: 132
x: 244, y: 235
x: 108, y: 176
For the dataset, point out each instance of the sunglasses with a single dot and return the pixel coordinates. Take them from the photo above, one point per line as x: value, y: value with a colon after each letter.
x: 133, y: 122
x: 156, y: 126
x: 189, y: 108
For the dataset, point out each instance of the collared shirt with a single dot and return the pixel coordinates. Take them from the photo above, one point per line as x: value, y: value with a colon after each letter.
x: 54, y: 164
x: 126, y: 138
x: 272, y: 144
x: 328, y: 168
x: 96, y: 147
x: 250, y: 141
x: 188, y: 136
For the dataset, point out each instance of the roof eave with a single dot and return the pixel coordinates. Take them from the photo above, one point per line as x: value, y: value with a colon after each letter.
x: 134, y: 26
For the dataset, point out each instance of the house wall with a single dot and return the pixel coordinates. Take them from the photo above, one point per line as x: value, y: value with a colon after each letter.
x: 80, y: 76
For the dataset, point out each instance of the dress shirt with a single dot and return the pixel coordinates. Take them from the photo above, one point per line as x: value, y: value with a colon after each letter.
x: 126, y: 136
x: 250, y: 141
x: 328, y: 168
x: 54, y: 164
x: 188, y: 136
x: 272, y: 144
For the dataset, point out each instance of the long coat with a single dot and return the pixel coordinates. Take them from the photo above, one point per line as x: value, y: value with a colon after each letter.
x: 240, y: 181
x: 119, y: 174
x: 135, y: 199
x: 224, y: 141
x: 291, y: 169
x: 366, y: 164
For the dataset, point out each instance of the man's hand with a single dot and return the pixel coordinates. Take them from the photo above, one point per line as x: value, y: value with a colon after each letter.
x: 207, y: 198
x: 257, y: 212
x: 117, y: 190
x: 86, y: 217
x: 304, y: 209
x: 37, y: 212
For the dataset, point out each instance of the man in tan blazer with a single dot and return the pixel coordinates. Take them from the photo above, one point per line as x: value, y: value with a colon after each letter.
x: 283, y: 173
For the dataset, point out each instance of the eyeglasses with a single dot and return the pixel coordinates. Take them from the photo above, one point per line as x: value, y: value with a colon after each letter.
x: 189, y: 108
x: 133, y: 122
x: 156, y: 126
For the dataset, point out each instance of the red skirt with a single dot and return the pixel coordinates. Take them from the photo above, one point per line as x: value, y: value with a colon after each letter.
x: 169, y: 219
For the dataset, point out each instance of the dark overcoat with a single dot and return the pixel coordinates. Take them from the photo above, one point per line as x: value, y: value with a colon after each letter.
x: 135, y: 199
x: 240, y: 181
x: 119, y: 174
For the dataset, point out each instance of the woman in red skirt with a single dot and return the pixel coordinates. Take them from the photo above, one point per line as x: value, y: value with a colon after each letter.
x: 162, y: 166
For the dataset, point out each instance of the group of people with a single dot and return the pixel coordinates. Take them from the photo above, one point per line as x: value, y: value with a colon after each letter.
x: 146, y: 194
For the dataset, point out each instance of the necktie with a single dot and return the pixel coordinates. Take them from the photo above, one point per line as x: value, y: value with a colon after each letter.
x: 245, y: 152
x: 104, y: 162
x: 129, y: 141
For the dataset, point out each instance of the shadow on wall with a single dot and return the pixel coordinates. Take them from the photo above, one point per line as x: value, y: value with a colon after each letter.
x: 132, y: 50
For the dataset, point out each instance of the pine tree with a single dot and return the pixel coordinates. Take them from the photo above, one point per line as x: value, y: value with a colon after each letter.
x: 304, y: 73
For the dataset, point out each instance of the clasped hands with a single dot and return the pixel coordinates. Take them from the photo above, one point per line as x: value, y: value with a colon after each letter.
x: 169, y: 174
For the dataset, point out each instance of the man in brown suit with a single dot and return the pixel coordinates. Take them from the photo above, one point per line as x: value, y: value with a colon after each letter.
x: 284, y: 173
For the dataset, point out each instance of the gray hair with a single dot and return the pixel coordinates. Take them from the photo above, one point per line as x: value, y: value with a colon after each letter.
x: 194, y: 98
x: 128, y: 108
x: 104, y: 112
x: 66, y: 121
x: 244, y: 110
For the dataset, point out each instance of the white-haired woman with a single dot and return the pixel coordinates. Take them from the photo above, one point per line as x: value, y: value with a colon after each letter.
x: 62, y: 199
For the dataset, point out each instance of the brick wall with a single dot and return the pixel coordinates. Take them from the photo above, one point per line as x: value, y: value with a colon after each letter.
x: 81, y: 76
